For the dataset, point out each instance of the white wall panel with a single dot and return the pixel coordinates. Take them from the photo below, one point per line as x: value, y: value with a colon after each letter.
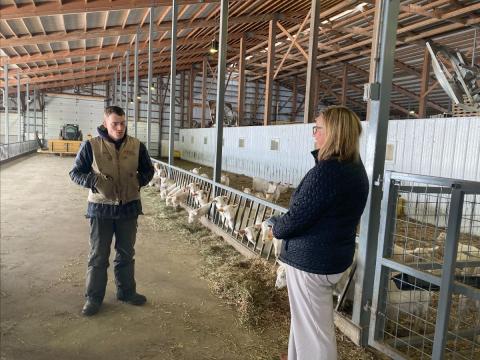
x: 448, y: 147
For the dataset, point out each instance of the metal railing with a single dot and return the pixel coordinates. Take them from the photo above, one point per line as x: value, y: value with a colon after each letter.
x: 426, y: 302
x: 11, y: 150
x: 249, y: 212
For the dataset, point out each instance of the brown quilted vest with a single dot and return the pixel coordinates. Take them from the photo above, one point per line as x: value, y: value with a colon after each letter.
x: 118, y: 165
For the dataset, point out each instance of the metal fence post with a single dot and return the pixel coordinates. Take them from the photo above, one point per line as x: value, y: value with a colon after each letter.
x: 448, y: 273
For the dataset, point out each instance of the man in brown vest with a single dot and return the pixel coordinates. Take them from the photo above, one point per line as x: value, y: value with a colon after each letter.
x: 114, y: 166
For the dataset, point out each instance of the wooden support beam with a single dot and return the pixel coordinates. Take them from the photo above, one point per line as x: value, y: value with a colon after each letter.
x: 272, y: 34
x: 294, y: 99
x: 204, y: 90
x: 344, y: 85
x: 191, y: 86
x: 297, y: 37
x: 182, y: 100
x: 310, y: 94
x: 422, y: 106
x: 241, y: 81
x: 128, y: 30
x: 293, y: 41
x: 402, y: 90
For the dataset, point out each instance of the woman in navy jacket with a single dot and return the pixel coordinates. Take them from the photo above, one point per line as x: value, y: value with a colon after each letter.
x: 318, y: 232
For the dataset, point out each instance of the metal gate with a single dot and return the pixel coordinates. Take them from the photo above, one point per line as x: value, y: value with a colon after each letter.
x: 426, y: 301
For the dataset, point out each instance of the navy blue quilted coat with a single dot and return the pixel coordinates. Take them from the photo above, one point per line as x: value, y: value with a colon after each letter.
x: 319, y: 228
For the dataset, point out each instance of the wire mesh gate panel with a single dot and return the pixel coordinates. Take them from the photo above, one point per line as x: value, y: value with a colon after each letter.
x: 426, y: 302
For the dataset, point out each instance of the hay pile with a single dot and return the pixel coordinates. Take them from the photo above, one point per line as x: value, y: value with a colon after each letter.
x: 248, y: 285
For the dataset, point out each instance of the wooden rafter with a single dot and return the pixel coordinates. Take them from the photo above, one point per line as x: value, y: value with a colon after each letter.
x: 79, y: 6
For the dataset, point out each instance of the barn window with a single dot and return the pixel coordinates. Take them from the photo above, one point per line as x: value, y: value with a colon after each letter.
x: 241, y: 142
x: 192, y: 139
x: 183, y: 139
x: 274, y: 144
x: 205, y: 140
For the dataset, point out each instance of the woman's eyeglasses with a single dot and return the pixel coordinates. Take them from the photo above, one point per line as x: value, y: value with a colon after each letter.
x: 315, y: 129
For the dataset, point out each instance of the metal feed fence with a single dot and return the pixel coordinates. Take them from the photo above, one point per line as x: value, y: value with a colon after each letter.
x: 426, y: 302
x: 11, y: 150
x: 250, y: 210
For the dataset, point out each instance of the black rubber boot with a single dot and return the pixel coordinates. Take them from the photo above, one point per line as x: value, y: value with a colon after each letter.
x: 90, y: 308
x: 135, y: 299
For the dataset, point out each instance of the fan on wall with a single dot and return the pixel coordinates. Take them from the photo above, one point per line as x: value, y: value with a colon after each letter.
x: 459, y: 80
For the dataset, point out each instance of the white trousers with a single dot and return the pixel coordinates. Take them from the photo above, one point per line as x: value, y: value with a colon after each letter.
x: 312, y: 332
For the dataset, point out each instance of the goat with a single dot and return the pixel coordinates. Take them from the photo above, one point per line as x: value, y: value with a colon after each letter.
x: 281, y: 280
x: 225, y: 180
x: 195, y: 214
x: 196, y: 171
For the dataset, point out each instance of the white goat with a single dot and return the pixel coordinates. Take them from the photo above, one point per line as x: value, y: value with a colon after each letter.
x: 193, y: 187
x: 247, y: 191
x: 205, y: 176
x: 251, y: 233
x: 227, y: 213
x: 220, y: 202
x: 413, y: 302
x: 267, y: 237
x: 179, y: 196
x: 196, y: 170
x: 171, y: 194
x: 195, y: 214
x: 165, y: 191
x: 281, y: 281
x: 225, y: 180
x: 201, y: 197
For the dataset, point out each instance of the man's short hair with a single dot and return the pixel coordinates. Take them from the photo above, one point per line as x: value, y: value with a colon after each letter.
x: 117, y: 110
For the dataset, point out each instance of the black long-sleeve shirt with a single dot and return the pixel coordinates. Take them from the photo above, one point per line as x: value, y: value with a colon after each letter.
x: 82, y: 175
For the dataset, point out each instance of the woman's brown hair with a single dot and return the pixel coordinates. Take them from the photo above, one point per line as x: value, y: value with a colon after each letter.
x: 342, y: 133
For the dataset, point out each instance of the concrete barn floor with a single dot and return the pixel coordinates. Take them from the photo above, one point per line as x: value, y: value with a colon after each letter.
x: 44, y: 247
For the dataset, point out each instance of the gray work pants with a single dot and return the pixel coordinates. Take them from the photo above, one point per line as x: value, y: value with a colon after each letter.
x: 101, y: 235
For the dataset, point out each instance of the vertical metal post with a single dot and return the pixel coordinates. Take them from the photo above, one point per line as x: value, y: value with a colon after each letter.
x: 34, y: 112
x: 149, y: 82
x: 220, y: 103
x: 173, y: 80
x: 385, y: 247
x: 379, y: 104
x: 204, y: 91
x: 241, y: 81
x: 448, y: 273
x: 127, y: 85
x: 19, y: 108
x: 43, y: 118
x: 5, y: 104
x: 27, y: 111
x: 115, y: 80
x: 135, y: 87
x: 310, y: 93
x: 294, y: 100
x: 120, y: 87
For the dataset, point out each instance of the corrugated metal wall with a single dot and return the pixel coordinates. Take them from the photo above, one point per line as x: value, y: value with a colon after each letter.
x: 59, y: 110
x: 447, y: 147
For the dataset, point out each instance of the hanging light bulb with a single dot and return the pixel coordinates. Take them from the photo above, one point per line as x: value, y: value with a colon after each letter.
x: 213, y: 47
